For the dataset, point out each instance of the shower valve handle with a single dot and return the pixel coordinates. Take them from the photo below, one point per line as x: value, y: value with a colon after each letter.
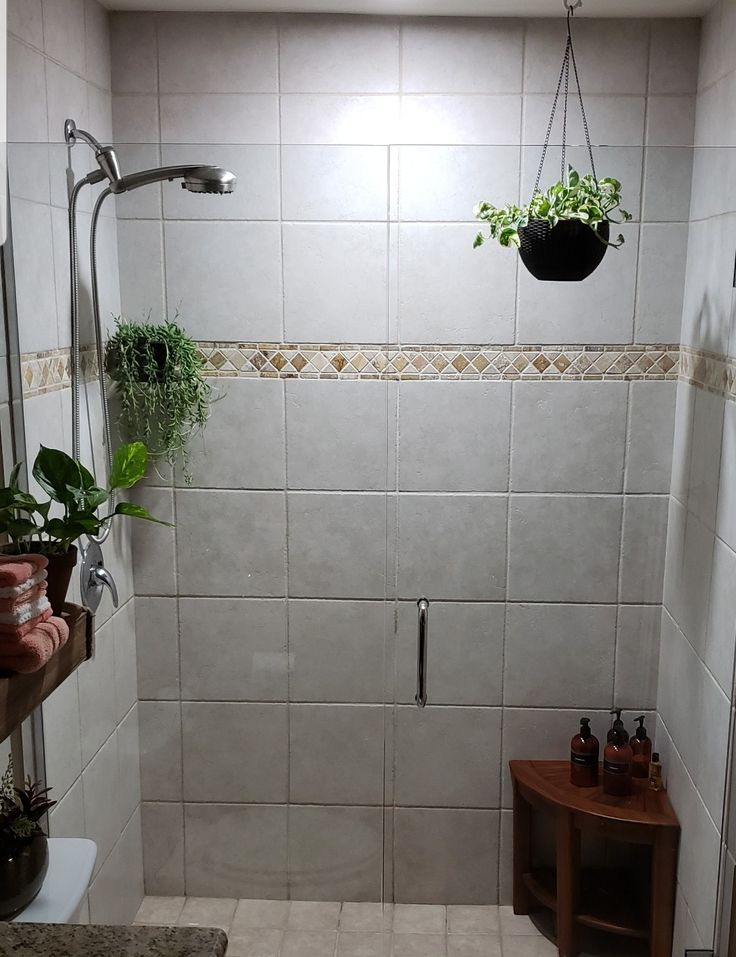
x: 95, y: 578
x: 104, y: 579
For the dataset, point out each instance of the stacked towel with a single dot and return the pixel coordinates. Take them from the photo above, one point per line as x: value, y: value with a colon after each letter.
x: 29, y: 634
x: 15, y: 591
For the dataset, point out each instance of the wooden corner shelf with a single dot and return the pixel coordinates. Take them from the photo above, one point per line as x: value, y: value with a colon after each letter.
x: 624, y: 901
x: 21, y: 694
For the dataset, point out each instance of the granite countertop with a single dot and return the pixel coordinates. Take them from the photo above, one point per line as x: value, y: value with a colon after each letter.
x: 90, y: 940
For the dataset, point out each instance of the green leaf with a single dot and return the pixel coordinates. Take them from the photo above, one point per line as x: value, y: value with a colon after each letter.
x: 129, y: 465
x: 43, y: 509
x: 95, y: 497
x: 478, y: 241
x: 87, y: 479
x: 66, y: 530
x: 13, y: 480
x: 138, y: 511
x: 20, y: 527
x: 7, y: 497
x: 57, y: 474
x: 89, y: 522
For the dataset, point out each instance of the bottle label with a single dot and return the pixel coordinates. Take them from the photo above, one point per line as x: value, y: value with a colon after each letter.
x: 584, y: 760
x: 615, y: 768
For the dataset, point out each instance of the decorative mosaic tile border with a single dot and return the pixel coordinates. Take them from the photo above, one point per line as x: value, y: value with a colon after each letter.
x: 708, y: 370
x: 43, y: 372
x: 345, y: 361
x: 49, y: 371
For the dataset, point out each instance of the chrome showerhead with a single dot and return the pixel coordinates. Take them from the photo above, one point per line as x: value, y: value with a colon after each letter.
x: 209, y: 179
x: 196, y: 179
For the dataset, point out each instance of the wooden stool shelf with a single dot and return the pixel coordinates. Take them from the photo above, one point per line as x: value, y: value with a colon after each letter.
x: 20, y: 694
x: 604, y: 899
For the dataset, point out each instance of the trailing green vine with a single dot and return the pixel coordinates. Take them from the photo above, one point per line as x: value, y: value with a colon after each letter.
x: 164, y: 398
x: 583, y: 198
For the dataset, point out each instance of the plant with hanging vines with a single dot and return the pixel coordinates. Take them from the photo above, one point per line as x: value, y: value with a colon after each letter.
x: 591, y: 201
x: 164, y: 397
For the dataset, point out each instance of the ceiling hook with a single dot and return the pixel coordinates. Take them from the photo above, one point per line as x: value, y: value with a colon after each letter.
x: 572, y: 5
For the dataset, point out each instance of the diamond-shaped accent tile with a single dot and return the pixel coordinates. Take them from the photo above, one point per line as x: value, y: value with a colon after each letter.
x: 298, y: 362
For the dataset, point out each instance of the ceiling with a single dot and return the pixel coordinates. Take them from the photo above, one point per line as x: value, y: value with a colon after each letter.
x: 472, y: 8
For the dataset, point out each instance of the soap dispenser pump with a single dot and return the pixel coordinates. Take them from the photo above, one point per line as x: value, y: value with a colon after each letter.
x: 618, y: 726
x: 641, y: 748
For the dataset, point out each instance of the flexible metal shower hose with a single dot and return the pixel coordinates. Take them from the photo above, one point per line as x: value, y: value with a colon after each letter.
x: 99, y: 342
x: 76, y: 352
x: 76, y: 359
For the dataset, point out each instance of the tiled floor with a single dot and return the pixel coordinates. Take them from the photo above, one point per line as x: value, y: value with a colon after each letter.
x: 324, y: 929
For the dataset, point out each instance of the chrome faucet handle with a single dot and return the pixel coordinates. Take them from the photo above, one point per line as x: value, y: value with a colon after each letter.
x: 105, y: 579
x: 95, y: 578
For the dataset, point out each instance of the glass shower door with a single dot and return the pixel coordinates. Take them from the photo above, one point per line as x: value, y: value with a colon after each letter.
x: 290, y: 510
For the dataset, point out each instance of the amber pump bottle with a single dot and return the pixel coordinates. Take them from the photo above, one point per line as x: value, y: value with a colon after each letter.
x: 641, y: 748
x: 584, y: 757
x: 617, y: 761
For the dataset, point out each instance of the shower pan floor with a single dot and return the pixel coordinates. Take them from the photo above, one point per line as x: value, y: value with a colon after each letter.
x: 261, y: 928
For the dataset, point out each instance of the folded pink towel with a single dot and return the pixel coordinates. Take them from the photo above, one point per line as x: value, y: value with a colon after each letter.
x: 25, y: 612
x: 17, y: 569
x: 15, y: 591
x: 30, y: 653
x: 9, y: 632
x: 9, y: 605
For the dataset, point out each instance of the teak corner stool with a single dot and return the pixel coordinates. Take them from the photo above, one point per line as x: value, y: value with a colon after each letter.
x: 599, y: 899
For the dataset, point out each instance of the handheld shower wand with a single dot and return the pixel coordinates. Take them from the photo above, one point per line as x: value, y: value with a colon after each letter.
x: 195, y: 179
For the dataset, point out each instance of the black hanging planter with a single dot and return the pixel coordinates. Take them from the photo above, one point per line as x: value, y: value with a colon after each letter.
x: 567, y: 252
x: 570, y: 250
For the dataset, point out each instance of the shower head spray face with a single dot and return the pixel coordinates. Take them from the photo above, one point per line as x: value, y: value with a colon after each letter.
x: 209, y: 179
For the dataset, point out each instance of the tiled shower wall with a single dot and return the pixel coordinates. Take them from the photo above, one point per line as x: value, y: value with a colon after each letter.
x: 695, y: 696
x: 59, y: 66
x: 532, y: 514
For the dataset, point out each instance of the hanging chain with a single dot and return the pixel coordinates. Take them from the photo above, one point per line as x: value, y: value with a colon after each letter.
x: 580, y: 96
x: 565, y: 68
x: 567, y: 59
x: 563, y: 151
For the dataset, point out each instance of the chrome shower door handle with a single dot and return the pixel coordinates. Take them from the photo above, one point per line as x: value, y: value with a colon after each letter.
x: 422, y: 639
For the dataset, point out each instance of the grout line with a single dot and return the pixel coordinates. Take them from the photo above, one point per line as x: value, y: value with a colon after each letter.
x: 619, y: 564
x: 506, y: 606
x: 404, y: 600
x: 285, y: 421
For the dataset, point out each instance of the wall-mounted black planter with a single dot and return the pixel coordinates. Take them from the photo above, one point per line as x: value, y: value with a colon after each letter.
x: 567, y: 252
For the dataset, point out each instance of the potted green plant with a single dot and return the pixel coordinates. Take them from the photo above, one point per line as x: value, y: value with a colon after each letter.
x: 33, y: 529
x: 24, y: 853
x: 561, y: 234
x: 164, y: 397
